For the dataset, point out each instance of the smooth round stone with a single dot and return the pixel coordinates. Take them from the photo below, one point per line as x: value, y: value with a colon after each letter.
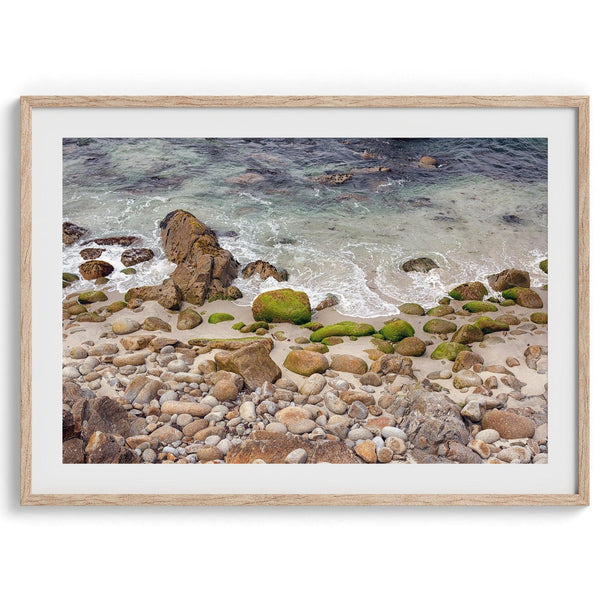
x: 78, y: 352
x: 169, y: 396
x: 465, y: 379
x: 313, y: 385
x: 360, y: 433
x: 210, y: 400
x: 123, y: 326
x: 91, y: 362
x: 167, y: 350
x: 276, y: 427
x: 378, y: 441
x: 177, y: 366
x: 94, y: 385
x: 489, y: 436
x: 339, y: 384
x: 148, y: 455
x: 393, y: 432
x: 334, y: 404
x: 472, y: 410
x: 224, y: 446
x: 358, y: 410
x: 296, y: 457
x: 248, y: 411
x: 212, y: 440
x: 540, y: 459
x: 269, y: 406
x: 396, y: 445
x: 321, y: 421
x: 384, y: 454
x: 70, y: 373
x: 515, y: 454
x: 184, y: 419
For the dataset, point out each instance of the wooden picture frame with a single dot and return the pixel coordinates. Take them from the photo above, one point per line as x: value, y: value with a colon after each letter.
x: 30, y: 104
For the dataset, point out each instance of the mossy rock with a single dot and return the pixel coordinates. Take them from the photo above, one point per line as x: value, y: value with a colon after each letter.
x: 353, y: 338
x: 316, y: 347
x: 76, y: 309
x: 444, y: 300
x: 261, y: 331
x: 473, y: 290
x: 238, y: 326
x: 312, y: 325
x: 492, y: 300
x: 90, y: 317
x: 219, y: 318
x: 541, y: 318
x: 70, y: 277
x: 412, y: 308
x: 342, y: 328
x: 488, y: 325
x: 188, y: 319
x: 524, y: 297
x: 477, y: 307
x: 301, y: 340
x: 378, y: 336
x: 440, y: 311
x: 116, y: 306
x: 91, y: 297
x: 448, y: 351
x: 282, y: 306
x: 439, y: 326
x: 383, y: 345
x: 129, y: 271
x: 544, y: 265
x: 65, y: 284
x: 101, y: 281
x: 332, y: 340
x: 397, y: 330
x: 507, y: 303
x: 467, y: 334
x: 280, y: 336
x: 410, y: 346
x: 252, y: 327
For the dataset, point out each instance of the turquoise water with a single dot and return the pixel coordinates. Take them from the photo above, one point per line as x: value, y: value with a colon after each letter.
x: 482, y: 210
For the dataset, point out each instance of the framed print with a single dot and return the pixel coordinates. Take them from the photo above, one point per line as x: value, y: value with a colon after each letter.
x: 305, y: 300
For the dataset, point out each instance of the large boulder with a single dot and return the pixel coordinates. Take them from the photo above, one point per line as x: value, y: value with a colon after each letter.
x: 264, y: 270
x: 432, y: 419
x: 71, y: 233
x: 252, y: 362
x: 509, y: 278
x: 420, y: 265
x: 473, y: 290
x: 92, y: 269
x: 305, y: 362
x: 282, y: 306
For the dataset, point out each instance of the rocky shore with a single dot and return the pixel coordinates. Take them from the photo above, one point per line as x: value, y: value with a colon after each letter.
x: 179, y: 373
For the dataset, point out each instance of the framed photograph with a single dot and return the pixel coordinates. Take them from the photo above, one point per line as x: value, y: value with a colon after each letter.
x: 305, y: 300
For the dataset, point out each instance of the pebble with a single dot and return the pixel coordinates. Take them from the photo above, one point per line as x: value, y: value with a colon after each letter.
x: 123, y: 326
x: 339, y: 384
x: 385, y: 454
x: 148, y: 455
x: 177, y: 366
x: 360, y: 433
x: 184, y: 419
x: 224, y: 446
x: 296, y: 457
x: 334, y: 404
x: 313, y: 385
x: 393, y: 432
x: 472, y: 410
x: 276, y: 427
x: 396, y: 445
x: 248, y: 411
x: 70, y: 373
x: 169, y: 396
x: 480, y: 447
x: 358, y: 411
x: 489, y: 436
x: 212, y: 440
x: 78, y: 352
x: 367, y: 451
x: 515, y: 454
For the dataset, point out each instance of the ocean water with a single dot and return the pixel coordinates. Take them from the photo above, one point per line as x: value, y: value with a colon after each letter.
x: 482, y: 210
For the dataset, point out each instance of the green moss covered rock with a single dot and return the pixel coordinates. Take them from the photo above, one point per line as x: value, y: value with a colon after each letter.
x: 476, y: 307
x: 448, y: 350
x: 238, y: 326
x: 507, y: 303
x: 342, y: 328
x: 488, y: 325
x: 473, y: 290
x: 116, y: 306
x: 332, y: 340
x: 383, y: 345
x: 70, y: 277
x: 524, y: 297
x: 439, y: 326
x: 467, y: 334
x: 444, y: 300
x: 91, y: 297
x: 88, y: 317
x: 282, y: 306
x: 312, y: 325
x: 541, y: 318
x: 252, y: 327
x: 129, y: 271
x: 544, y: 265
x: 440, y: 311
x: 218, y: 318
x: 411, y: 308
x: 397, y: 330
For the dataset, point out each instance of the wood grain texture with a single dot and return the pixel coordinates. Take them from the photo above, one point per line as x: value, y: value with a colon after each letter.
x: 581, y: 103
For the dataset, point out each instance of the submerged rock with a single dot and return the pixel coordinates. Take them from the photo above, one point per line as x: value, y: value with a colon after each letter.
x: 91, y: 253
x: 71, y: 233
x: 134, y: 256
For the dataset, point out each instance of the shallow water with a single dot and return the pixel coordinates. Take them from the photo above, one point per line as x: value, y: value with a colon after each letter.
x: 482, y: 210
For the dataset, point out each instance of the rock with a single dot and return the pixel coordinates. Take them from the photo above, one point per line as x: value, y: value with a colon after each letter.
x: 396, y: 445
x: 466, y: 378
x: 166, y: 434
x: 367, y: 451
x: 333, y: 178
x: 509, y: 278
x: 348, y: 364
x: 188, y: 319
x: 123, y: 326
x: 541, y: 318
x: 114, y: 307
x: 72, y: 451
x: 508, y: 425
x: 264, y: 270
x: 313, y: 385
x: 477, y: 307
x: 296, y: 457
x: 383, y: 345
x: 136, y: 359
x: 438, y: 326
x: 328, y: 302
x: 100, y: 414
x: 411, y: 308
x: 136, y: 342
x: 220, y: 317
x: 428, y: 161
x: 225, y: 390
x: 472, y: 411
x: 420, y: 265
x: 134, y: 256
x: 462, y: 454
x: 208, y: 453
x: 273, y: 447
x: 111, y: 452
x: 440, y: 311
x: 466, y: 360
x: 91, y: 297
x: 343, y: 328
x: 155, y: 324
x: 432, y: 419
x: 397, y: 330
x: 448, y: 351
x: 392, y: 363
x: 370, y: 379
x: 480, y: 447
x: 72, y: 233
x: 167, y: 295
x: 91, y: 253
x: 357, y: 409
x: 70, y: 277
x: 489, y: 436
x: 337, y: 406
x: 121, y: 240
x: 296, y: 419
x: 92, y: 269
x: 305, y: 362
x: 391, y: 432
x: 384, y: 454
x: 282, y: 306
x: 515, y: 454
x: 524, y: 297
x: 474, y: 290
x: 488, y: 325
x: 544, y: 265
x: 248, y: 411
x: 252, y: 362
x: 231, y: 344
x: 351, y: 396
x: 467, y: 334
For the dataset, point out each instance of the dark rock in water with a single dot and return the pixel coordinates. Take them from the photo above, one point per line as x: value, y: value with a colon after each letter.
x: 333, y: 179
x: 91, y: 253
x: 121, y: 240
x: 512, y: 219
x: 419, y: 201
x: 286, y: 241
x: 420, y: 265
x: 432, y: 419
x: 93, y: 269
x: 134, y: 256
x: 264, y: 270
x: 71, y: 233
x: 509, y: 278
x: 330, y: 300
x: 248, y: 178
x: 228, y: 234
x: 428, y: 161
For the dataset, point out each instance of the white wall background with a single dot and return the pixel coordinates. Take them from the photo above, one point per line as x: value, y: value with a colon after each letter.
x: 433, y: 47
